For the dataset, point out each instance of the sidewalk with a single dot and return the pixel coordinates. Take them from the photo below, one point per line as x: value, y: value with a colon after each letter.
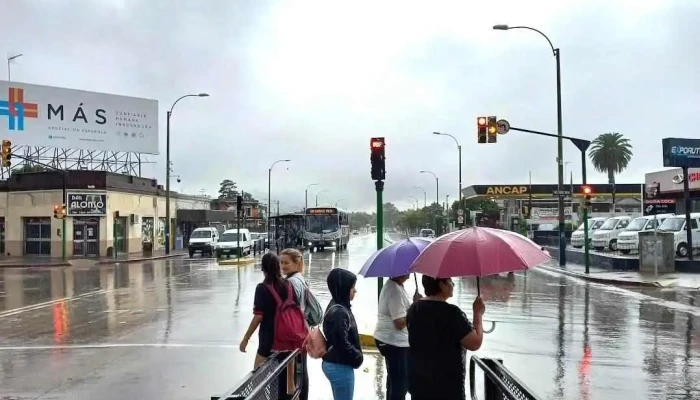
x: 34, y: 261
x: 627, y: 278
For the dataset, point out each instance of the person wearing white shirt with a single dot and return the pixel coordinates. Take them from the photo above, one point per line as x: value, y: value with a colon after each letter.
x: 391, y: 335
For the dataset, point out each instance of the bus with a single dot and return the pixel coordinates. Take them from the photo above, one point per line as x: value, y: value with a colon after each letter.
x: 326, y: 227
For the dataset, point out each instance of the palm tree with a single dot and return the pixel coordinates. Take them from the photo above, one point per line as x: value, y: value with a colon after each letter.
x: 611, y: 153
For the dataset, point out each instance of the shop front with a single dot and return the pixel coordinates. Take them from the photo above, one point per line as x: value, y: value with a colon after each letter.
x: 664, y: 192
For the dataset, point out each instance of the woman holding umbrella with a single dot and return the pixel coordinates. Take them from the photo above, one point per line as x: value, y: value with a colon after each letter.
x: 390, y: 334
x: 439, y: 334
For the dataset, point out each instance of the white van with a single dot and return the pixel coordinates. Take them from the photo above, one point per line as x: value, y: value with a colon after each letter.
x: 203, y: 240
x: 628, y: 240
x: 229, y: 242
x: 676, y: 225
x: 606, y: 235
x: 577, y: 236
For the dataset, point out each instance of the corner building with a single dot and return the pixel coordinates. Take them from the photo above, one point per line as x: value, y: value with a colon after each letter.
x: 105, y: 211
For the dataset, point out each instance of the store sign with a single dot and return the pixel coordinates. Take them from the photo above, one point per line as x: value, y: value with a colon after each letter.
x: 86, y: 204
x: 506, y: 190
x: 659, y: 206
x: 692, y: 177
x: 681, y: 152
x: 549, y: 213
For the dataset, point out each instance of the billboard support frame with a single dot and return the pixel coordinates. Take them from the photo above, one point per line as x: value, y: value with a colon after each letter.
x: 127, y: 163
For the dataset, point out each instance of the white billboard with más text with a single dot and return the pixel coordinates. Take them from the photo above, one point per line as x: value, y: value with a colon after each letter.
x: 35, y: 115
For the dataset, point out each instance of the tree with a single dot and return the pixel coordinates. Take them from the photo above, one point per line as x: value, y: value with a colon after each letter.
x: 391, y: 215
x: 359, y: 220
x: 611, y: 153
x: 488, y: 207
x: 29, y: 168
x: 247, y: 196
x: 227, y: 189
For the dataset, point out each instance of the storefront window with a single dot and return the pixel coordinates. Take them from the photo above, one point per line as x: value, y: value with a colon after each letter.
x: 147, y: 229
x: 37, y: 236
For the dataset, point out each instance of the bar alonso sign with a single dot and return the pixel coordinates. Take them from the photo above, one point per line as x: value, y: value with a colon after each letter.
x: 86, y: 204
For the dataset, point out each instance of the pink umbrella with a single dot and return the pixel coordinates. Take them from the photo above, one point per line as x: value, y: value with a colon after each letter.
x: 479, y: 252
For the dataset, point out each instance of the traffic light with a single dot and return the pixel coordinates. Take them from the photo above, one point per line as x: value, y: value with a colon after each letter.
x: 493, y: 129
x: 587, y: 191
x: 482, y: 129
x: 6, y: 153
x: 377, y: 158
x: 239, y: 205
x: 59, y: 211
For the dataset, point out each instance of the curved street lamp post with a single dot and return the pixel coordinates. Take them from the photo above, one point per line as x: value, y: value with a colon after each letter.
x: 321, y: 191
x: 437, y: 184
x: 269, y: 197
x: 306, y: 196
x: 459, y: 152
x: 560, y: 150
x: 425, y: 196
x: 168, y: 244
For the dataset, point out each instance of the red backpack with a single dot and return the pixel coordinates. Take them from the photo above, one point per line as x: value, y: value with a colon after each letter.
x: 290, y: 325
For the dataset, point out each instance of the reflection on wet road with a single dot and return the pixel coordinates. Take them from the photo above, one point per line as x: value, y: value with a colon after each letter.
x: 171, y: 329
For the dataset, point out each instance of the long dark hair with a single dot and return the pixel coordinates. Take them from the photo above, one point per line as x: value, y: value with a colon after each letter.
x: 271, y: 269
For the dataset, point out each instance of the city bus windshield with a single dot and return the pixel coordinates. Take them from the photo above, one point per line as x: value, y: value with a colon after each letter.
x: 321, y: 223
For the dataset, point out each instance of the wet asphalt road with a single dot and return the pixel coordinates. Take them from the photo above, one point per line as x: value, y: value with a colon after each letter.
x: 170, y: 329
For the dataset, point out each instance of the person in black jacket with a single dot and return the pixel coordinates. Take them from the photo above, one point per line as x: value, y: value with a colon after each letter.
x: 344, y: 354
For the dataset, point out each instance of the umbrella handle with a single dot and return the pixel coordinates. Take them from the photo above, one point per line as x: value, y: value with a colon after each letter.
x: 415, y: 277
x: 493, y: 327
x: 478, y: 286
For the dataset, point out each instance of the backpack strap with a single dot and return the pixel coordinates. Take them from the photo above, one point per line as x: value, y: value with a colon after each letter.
x: 290, y: 291
x: 274, y: 293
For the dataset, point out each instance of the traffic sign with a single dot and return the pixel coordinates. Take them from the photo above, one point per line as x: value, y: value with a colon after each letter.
x: 561, y: 193
x: 460, y: 212
x: 444, y: 213
x: 503, y: 126
x: 460, y: 219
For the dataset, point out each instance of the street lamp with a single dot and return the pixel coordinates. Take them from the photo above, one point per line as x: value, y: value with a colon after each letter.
x: 414, y: 198
x: 306, y: 196
x: 167, y: 169
x: 425, y: 196
x: 269, y: 194
x: 437, y: 184
x: 459, y: 152
x: 322, y: 191
x: 338, y: 201
x: 560, y: 150
x: 9, y: 60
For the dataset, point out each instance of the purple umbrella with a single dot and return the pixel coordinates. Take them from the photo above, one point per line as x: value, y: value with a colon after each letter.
x: 394, y: 260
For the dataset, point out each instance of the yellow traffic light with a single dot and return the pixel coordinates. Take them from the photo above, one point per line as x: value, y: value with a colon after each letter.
x: 57, y: 211
x: 492, y: 129
x: 6, y: 153
x: 63, y: 211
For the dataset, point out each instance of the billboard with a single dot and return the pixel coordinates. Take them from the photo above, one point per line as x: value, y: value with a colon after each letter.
x: 86, y: 204
x: 35, y: 115
x: 681, y: 152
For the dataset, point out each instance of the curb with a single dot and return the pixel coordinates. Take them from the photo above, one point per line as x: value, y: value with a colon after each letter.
x: 607, y: 281
x: 134, y: 260
x: 367, y: 340
x: 242, y: 261
x: 48, y: 265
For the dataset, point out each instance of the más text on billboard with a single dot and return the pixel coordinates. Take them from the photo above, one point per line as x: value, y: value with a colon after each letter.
x: 35, y: 115
x: 679, y: 152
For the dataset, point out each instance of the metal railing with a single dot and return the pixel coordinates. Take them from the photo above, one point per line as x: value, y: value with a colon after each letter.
x: 271, y: 380
x: 499, y: 382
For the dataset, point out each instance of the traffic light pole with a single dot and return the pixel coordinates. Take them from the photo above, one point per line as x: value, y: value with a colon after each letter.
x: 586, y: 255
x: 379, y: 187
x: 582, y: 145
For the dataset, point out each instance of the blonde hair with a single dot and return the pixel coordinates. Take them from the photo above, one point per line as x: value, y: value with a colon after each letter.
x: 296, y: 256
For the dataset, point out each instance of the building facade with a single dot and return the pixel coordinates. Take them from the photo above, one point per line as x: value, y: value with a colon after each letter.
x: 667, y: 188
x: 106, y: 212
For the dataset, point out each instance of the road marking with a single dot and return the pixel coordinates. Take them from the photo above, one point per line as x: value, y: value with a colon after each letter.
x: 38, y: 306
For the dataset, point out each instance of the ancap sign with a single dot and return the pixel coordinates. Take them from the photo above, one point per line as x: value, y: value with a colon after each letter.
x: 506, y: 190
x: 86, y: 204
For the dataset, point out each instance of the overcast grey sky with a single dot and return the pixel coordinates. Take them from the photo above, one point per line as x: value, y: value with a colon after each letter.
x: 314, y: 80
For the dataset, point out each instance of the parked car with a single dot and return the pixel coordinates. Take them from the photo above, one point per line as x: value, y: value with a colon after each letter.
x: 577, y: 236
x: 676, y: 225
x: 229, y: 243
x: 203, y: 240
x: 628, y: 239
x: 427, y: 233
x: 606, y: 235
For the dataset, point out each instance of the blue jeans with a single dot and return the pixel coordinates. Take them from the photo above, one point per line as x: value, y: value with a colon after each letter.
x: 342, y: 379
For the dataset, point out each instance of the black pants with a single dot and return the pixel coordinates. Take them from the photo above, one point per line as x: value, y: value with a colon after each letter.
x: 396, y: 360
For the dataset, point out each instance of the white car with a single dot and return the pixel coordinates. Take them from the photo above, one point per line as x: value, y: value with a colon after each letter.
x: 229, y: 243
x: 628, y: 240
x: 577, y: 236
x: 606, y: 235
x: 427, y: 233
x: 676, y: 225
x: 203, y: 240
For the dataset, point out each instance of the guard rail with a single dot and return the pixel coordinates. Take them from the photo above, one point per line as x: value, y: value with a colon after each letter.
x: 499, y: 382
x: 280, y: 377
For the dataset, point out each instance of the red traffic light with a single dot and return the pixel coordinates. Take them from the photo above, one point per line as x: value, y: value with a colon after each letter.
x: 481, y: 121
x: 587, y: 190
x: 376, y: 144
